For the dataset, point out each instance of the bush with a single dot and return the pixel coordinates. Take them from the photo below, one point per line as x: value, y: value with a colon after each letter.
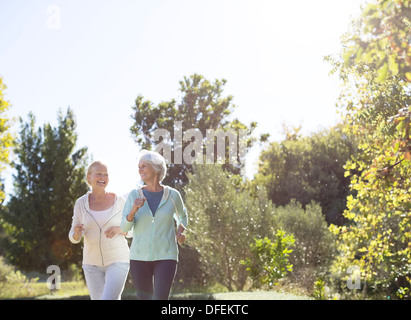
x: 13, y: 283
x: 224, y: 220
x: 314, y: 243
x: 269, y: 262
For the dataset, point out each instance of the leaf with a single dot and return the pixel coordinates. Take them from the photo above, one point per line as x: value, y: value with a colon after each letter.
x: 382, y: 73
x: 349, y: 215
x: 396, y: 145
x: 401, y: 126
x: 347, y: 56
x: 393, y: 65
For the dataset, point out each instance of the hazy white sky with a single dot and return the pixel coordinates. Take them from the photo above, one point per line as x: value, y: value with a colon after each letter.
x: 97, y: 56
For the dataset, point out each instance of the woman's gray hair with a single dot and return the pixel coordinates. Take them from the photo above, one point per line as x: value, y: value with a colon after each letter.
x: 156, y: 160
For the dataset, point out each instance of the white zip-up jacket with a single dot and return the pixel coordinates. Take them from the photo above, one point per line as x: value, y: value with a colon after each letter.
x: 98, y: 249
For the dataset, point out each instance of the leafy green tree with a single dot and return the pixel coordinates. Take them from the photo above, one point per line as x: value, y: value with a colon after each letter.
x: 49, y: 178
x: 203, y: 106
x: 382, y: 39
x: 269, y: 262
x: 6, y: 139
x: 308, y: 169
x: 224, y: 220
x: 376, y: 103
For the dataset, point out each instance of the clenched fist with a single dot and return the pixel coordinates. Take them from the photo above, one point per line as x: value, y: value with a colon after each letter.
x: 138, y: 203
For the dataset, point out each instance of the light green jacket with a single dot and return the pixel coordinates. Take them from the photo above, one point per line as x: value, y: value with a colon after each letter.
x: 154, y: 236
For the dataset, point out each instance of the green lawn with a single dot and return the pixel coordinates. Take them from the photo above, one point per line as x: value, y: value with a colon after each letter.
x: 78, y: 291
x: 241, y: 295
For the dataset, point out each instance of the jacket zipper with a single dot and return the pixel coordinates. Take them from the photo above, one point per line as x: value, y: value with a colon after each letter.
x: 152, y: 228
x: 101, y: 252
x: 99, y: 241
x: 152, y: 236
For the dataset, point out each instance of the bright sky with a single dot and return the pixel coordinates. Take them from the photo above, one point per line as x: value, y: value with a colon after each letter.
x: 97, y: 56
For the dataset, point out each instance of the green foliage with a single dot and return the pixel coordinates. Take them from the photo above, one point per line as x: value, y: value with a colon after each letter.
x: 13, y: 283
x: 319, y: 290
x: 49, y: 178
x: 309, y: 169
x: 202, y: 107
x: 269, y: 262
x: 381, y: 38
x: 376, y: 105
x: 9, y: 275
x: 6, y: 139
x: 314, y: 244
x: 224, y: 220
x: 403, y: 293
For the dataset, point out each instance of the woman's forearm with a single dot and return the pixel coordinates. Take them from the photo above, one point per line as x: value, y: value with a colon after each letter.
x: 181, y: 228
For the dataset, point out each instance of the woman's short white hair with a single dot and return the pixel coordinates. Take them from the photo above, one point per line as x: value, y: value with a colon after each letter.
x: 156, y: 160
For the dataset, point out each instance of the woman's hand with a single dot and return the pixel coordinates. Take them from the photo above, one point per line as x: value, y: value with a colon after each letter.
x: 78, y: 232
x: 113, y: 231
x: 181, y: 237
x: 138, y: 203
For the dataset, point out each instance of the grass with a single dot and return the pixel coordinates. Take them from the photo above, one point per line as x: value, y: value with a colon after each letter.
x: 39, y: 290
x: 69, y: 290
x: 240, y: 295
x: 77, y: 290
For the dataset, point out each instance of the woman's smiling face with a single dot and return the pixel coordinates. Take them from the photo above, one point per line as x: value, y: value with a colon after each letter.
x: 98, y: 178
x: 146, y: 171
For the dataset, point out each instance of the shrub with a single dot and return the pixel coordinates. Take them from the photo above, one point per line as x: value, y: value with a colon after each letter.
x: 315, y: 245
x: 13, y: 283
x: 269, y: 262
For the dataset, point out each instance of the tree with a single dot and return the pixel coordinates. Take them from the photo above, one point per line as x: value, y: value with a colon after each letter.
x: 6, y: 139
x: 224, y: 220
x: 382, y: 39
x: 308, y: 169
x: 203, y: 107
x: 376, y: 103
x: 50, y: 176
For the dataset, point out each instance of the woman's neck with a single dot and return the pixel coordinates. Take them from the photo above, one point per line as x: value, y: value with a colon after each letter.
x: 97, y: 194
x: 153, y: 186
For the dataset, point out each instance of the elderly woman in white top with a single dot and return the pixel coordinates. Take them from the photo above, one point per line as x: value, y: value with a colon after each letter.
x: 97, y: 217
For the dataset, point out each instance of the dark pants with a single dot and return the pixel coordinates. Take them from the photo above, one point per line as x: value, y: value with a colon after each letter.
x: 143, y: 274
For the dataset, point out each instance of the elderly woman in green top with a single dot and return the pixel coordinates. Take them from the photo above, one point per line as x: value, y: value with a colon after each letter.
x: 151, y: 211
